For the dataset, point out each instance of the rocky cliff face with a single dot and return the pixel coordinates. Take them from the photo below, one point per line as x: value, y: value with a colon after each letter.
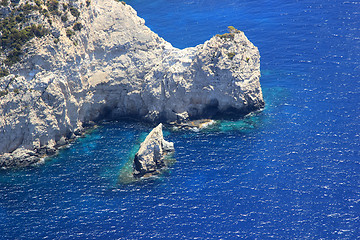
x: 150, y: 157
x: 114, y: 66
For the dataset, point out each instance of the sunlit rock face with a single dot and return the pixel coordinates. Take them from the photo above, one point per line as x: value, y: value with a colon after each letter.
x: 149, y: 160
x: 115, y: 66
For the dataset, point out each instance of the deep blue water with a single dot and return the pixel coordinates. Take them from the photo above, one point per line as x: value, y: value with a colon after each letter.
x: 291, y: 171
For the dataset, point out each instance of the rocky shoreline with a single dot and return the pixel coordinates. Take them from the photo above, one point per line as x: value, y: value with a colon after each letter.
x: 111, y: 67
x: 22, y: 157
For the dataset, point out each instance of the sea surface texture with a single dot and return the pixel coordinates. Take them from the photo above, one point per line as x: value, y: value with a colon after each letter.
x: 291, y: 171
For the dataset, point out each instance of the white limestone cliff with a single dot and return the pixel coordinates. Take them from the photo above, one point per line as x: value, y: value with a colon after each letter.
x: 113, y: 67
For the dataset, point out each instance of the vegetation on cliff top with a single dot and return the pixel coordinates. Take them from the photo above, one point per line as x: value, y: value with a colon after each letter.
x: 21, y: 22
x: 16, y: 30
x: 230, y: 35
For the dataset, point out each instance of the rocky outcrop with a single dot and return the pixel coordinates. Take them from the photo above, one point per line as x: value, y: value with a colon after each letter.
x: 115, y: 66
x: 149, y: 160
x: 195, y: 125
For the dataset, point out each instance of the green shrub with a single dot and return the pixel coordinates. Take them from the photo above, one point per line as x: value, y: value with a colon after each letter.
x: 4, y: 72
x: 14, y: 35
x: 226, y: 36
x: 38, y: 3
x: 13, y: 56
x: 231, y: 29
x: 229, y: 35
x: 74, y: 12
x: 52, y: 5
x: 46, y: 13
x: 3, y: 93
x: 231, y: 55
x: 16, y: 91
x: 19, y: 18
x: 64, y: 18
x: 27, y: 8
x: 69, y: 33
x: 77, y: 26
x: 36, y: 30
x: 88, y: 3
x: 14, y: 39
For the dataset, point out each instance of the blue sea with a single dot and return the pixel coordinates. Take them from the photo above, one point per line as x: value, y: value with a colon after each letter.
x: 291, y: 171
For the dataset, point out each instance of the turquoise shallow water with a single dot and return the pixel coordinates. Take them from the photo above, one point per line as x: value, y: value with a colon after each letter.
x: 291, y: 171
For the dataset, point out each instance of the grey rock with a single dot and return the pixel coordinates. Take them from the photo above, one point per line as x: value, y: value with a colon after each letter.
x: 62, y: 141
x: 20, y: 157
x: 149, y: 159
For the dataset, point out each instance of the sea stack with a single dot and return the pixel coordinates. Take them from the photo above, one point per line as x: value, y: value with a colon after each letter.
x: 149, y: 160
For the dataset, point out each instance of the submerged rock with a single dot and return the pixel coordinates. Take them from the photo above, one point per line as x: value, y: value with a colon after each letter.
x: 149, y: 160
x: 194, y: 125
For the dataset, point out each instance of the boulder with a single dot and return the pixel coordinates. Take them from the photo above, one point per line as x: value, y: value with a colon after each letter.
x: 149, y: 160
x: 20, y: 157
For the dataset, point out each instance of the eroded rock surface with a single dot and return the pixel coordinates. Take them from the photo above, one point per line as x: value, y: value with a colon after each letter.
x: 113, y: 67
x: 149, y: 159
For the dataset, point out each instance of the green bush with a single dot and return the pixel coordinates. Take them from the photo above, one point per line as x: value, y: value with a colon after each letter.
x: 19, y: 18
x: 231, y: 55
x: 27, y: 8
x: 88, y: 3
x: 14, y: 39
x: 38, y: 3
x: 3, y: 93
x: 13, y: 56
x: 4, y: 72
x: 77, y: 26
x: 74, y: 12
x: 46, y: 13
x: 52, y: 5
x: 226, y: 36
x: 64, y: 18
x: 229, y: 35
x: 69, y: 33
x: 231, y: 29
x: 14, y: 35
